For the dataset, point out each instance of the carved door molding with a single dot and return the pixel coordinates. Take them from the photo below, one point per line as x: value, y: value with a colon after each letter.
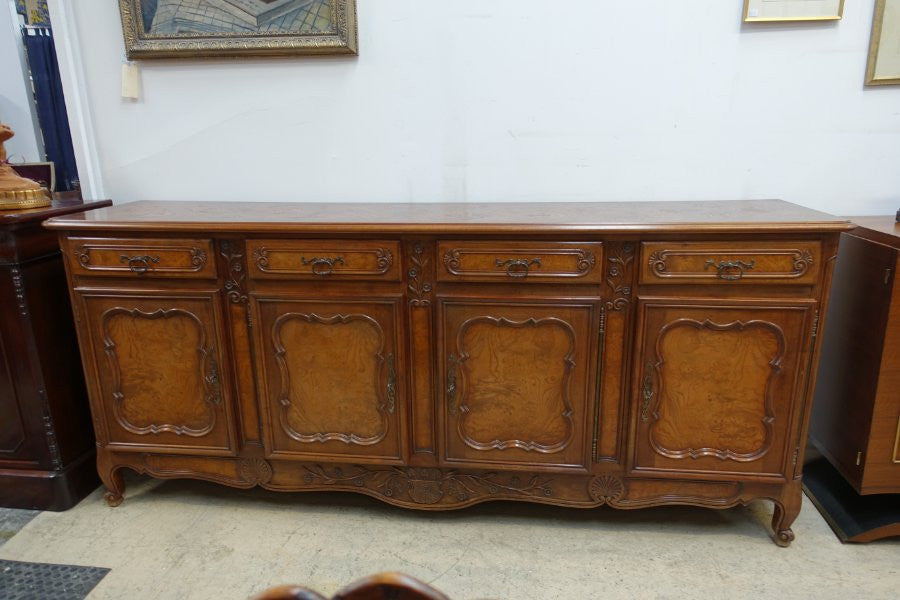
x: 385, y: 403
x: 464, y: 386
x: 518, y: 380
x: 209, y: 371
x: 715, y: 384
x: 331, y: 376
x: 162, y: 375
x: 767, y: 413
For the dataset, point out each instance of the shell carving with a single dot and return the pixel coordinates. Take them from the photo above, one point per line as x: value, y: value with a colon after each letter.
x: 606, y: 488
x: 425, y: 485
x: 255, y: 471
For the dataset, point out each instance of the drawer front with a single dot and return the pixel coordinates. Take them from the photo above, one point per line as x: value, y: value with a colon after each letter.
x: 527, y: 262
x: 324, y: 259
x: 730, y: 262
x: 141, y: 257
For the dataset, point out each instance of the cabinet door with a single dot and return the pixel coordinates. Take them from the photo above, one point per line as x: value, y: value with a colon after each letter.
x: 718, y: 385
x: 159, y: 363
x: 329, y: 373
x: 517, y: 381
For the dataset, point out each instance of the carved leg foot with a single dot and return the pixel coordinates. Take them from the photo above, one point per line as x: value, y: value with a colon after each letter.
x: 112, y: 478
x: 113, y: 499
x: 786, y: 510
x: 784, y: 535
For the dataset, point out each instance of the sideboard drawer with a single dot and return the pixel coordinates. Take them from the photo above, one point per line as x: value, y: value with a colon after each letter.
x: 324, y: 259
x: 143, y: 257
x: 534, y: 262
x: 730, y: 262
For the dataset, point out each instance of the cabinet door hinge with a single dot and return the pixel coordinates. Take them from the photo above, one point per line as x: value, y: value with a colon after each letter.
x: 796, y: 455
x: 815, y: 327
x: 249, y: 318
x: 858, y: 458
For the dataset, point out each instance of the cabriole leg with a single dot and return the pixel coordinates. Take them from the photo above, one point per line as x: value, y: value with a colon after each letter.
x: 111, y: 476
x: 787, y: 508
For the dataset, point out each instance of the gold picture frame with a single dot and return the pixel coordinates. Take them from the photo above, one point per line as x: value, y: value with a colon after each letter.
x: 771, y: 11
x: 213, y: 28
x: 883, y: 66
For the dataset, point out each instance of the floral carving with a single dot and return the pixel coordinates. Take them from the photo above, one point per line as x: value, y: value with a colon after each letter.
x: 235, y: 284
x: 802, y: 261
x: 429, y: 485
x: 617, y: 276
x: 419, y: 288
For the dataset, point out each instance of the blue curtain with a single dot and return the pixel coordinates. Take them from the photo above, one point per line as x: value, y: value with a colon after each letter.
x: 51, y: 105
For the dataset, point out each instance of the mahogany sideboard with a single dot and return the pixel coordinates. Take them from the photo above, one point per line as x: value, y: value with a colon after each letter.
x: 856, y: 421
x: 46, y: 441
x: 439, y: 355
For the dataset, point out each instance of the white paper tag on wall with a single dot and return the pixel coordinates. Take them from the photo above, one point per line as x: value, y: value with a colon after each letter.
x: 131, y: 82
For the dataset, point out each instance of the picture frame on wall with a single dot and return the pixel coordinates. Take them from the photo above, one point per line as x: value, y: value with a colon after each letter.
x: 214, y: 28
x: 757, y: 11
x: 883, y: 67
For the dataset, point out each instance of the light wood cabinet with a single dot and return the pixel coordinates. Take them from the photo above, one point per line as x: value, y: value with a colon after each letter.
x: 435, y: 356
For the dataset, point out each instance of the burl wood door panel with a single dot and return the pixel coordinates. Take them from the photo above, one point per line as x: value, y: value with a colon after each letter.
x: 159, y: 362
x: 331, y: 374
x: 518, y: 381
x: 715, y: 383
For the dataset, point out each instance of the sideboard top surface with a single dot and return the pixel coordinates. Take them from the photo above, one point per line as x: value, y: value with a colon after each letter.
x: 509, y: 218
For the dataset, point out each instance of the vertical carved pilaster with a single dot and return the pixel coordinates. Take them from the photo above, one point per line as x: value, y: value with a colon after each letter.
x: 235, y: 284
x: 240, y: 318
x: 618, y: 275
x: 419, y: 287
x: 420, y: 275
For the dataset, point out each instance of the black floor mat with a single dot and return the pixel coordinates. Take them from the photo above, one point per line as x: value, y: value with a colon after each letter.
x: 39, y: 581
x: 849, y: 514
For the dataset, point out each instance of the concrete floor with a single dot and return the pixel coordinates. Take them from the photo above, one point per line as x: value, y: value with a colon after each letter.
x: 194, y: 540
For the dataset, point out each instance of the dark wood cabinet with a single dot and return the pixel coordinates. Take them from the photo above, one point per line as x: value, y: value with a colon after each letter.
x: 856, y: 421
x: 46, y: 439
x: 435, y: 355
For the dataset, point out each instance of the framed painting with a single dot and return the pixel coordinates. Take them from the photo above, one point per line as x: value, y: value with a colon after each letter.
x: 756, y: 11
x: 188, y: 28
x: 884, y: 49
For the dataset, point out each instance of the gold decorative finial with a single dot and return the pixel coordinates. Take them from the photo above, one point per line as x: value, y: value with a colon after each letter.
x: 17, y: 192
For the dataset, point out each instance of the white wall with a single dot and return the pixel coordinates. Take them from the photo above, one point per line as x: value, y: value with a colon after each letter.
x: 509, y: 100
x: 16, y: 108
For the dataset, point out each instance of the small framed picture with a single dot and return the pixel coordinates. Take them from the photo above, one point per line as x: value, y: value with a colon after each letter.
x: 756, y: 11
x: 884, y: 50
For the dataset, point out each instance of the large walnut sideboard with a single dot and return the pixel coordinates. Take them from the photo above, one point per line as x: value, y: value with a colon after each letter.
x: 439, y: 355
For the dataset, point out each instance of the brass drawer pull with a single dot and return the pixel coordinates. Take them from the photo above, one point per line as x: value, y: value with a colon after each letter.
x: 391, y: 384
x: 518, y: 267
x: 139, y: 264
x: 322, y: 266
x: 647, y: 392
x: 730, y: 270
